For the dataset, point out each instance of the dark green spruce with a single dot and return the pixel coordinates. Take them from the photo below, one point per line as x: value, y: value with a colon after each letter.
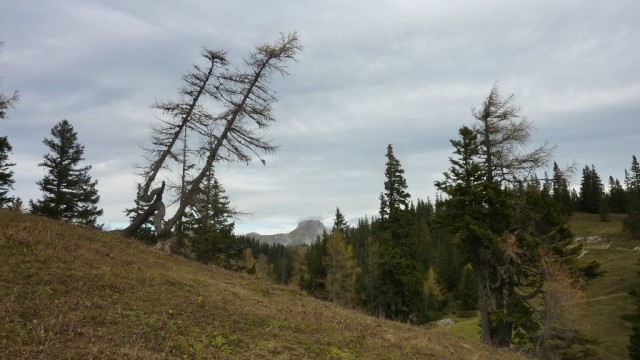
x: 68, y: 192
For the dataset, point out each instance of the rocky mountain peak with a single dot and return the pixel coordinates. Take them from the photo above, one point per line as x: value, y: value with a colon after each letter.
x: 305, y: 234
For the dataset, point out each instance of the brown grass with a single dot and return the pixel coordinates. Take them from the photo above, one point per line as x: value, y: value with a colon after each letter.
x: 76, y: 293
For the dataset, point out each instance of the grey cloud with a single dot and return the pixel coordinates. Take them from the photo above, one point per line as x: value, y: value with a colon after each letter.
x: 372, y: 73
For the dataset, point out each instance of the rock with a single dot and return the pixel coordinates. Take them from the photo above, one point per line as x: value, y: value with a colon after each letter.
x: 306, y: 233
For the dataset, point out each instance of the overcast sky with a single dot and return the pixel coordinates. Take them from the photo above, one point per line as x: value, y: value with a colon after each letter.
x: 372, y: 73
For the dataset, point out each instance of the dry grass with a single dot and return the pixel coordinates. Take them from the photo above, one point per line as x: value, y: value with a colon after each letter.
x: 76, y: 293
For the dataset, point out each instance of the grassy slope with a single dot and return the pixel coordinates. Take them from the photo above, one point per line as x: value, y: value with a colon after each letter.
x: 71, y: 292
x: 607, y: 298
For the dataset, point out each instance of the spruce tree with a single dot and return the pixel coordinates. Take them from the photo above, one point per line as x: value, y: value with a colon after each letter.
x: 314, y: 280
x: 340, y: 223
x: 484, y: 210
x: 616, y: 196
x: 212, y: 208
x: 6, y: 175
x: 464, y: 213
x: 395, y: 198
x: 68, y: 193
x: 398, y: 291
x: 591, y: 190
x: 208, y: 225
x: 560, y: 189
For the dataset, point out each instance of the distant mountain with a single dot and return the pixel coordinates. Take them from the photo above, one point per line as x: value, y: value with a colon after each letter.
x: 306, y: 233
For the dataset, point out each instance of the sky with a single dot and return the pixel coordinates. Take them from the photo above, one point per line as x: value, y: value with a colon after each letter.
x: 372, y: 73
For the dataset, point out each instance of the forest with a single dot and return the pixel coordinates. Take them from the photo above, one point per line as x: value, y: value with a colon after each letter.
x: 493, y: 242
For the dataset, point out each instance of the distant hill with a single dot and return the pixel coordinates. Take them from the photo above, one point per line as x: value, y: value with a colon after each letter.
x: 305, y: 234
x: 69, y: 292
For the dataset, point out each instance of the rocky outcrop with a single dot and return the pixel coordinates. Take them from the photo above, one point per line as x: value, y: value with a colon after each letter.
x: 306, y: 233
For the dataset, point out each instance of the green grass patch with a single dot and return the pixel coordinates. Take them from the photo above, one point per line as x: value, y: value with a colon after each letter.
x: 607, y: 299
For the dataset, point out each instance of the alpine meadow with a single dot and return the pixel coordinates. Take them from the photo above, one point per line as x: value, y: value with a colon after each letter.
x: 464, y: 180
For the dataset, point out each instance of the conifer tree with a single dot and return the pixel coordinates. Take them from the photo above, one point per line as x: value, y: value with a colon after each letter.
x: 314, y: 279
x: 464, y: 212
x: 6, y: 175
x: 398, y: 291
x: 395, y: 198
x: 483, y: 204
x: 208, y: 226
x: 342, y: 270
x: 632, y: 181
x: 467, y: 290
x: 591, y: 190
x: 68, y: 192
x: 226, y: 108
x: 211, y: 208
x: 340, y: 223
x: 435, y: 295
x: 560, y: 189
x: 616, y: 196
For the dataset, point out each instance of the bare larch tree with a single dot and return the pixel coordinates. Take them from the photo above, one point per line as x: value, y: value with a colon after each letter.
x: 225, y: 109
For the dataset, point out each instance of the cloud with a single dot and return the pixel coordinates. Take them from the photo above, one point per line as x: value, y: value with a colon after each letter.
x: 372, y: 73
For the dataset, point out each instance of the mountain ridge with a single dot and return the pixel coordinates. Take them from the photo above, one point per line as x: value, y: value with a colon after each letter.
x: 306, y: 233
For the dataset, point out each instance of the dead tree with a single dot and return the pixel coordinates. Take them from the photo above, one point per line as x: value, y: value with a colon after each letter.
x: 242, y: 104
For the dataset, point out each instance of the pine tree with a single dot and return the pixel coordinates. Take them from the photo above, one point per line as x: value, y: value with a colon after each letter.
x: 342, y: 270
x: 68, y: 191
x: 6, y: 175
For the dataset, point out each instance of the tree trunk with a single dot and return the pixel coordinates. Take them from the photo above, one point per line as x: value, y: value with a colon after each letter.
x: 483, y: 306
x: 150, y: 211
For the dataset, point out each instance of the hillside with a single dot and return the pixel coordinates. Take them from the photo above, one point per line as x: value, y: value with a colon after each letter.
x: 72, y: 292
x: 607, y: 297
